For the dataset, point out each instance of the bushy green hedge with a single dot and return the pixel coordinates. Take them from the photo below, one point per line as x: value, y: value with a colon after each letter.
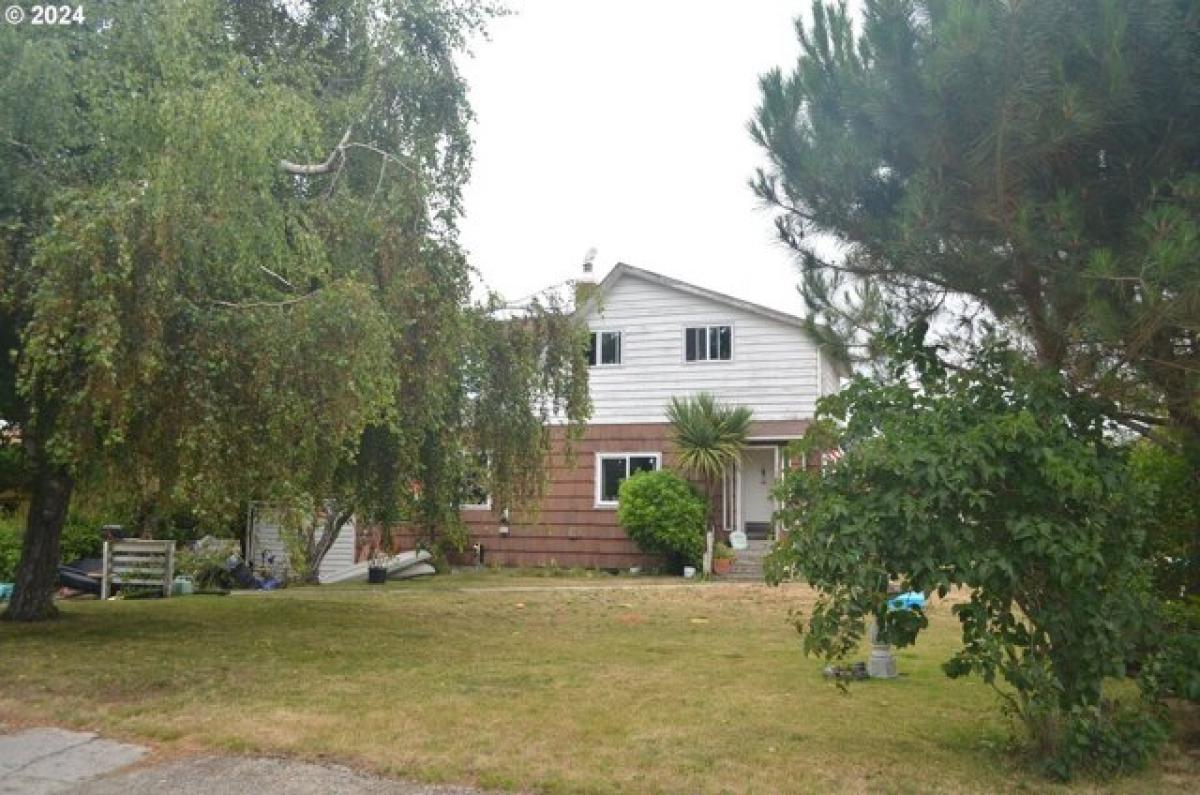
x: 1112, y: 738
x: 1165, y: 479
x: 12, y: 528
x: 664, y: 514
x: 81, y: 538
x: 1173, y: 669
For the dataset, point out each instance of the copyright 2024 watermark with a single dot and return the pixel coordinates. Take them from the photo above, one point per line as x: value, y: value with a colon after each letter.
x: 45, y: 15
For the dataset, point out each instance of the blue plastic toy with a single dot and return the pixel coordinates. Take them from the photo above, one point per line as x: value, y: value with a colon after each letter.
x: 907, y: 601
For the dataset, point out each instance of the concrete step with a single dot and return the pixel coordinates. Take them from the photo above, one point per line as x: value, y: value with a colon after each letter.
x: 748, y: 566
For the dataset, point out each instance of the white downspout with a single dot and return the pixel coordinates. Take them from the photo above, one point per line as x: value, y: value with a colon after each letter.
x: 775, y: 482
x: 737, y: 518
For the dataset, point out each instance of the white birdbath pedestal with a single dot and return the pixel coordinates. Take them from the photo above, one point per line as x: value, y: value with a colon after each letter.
x: 882, y: 662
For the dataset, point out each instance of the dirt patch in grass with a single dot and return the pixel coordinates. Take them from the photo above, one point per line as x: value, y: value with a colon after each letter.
x: 619, y: 686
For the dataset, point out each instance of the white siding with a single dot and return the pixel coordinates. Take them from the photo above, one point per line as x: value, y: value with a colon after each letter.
x: 265, y: 538
x: 774, y: 371
x: 341, y: 555
x: 831, y: 382
x: 265, y: 543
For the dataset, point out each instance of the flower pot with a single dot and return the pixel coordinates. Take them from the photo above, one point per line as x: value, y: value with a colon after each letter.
x: 722, y: 565
x: 376, y: 575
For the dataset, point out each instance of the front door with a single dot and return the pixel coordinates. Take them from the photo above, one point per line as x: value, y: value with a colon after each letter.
x: 758, y: 479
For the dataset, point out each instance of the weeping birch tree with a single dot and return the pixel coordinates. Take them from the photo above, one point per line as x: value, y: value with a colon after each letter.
x: 229, y: 261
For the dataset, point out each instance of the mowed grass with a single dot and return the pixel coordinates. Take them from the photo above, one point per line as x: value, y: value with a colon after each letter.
x: 546, y: 685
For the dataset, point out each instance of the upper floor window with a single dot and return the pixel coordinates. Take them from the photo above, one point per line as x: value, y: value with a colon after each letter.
x: 708, y: 343
x: 605, y: 348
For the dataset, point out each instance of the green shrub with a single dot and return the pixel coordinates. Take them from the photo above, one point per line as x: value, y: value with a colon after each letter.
x: 664, y: 514
x: 1107, y: 739
x: 208, y: 570
x: 1165, y: 479
x: 81, y: 538
x: 1174, y: 667
x: 994, y: 477
x: 12, y: 529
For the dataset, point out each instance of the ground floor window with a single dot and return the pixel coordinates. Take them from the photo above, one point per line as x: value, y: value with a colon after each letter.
x: 613, y: 468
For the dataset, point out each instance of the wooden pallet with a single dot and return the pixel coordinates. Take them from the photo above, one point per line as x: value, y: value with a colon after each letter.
x: 145, y: 563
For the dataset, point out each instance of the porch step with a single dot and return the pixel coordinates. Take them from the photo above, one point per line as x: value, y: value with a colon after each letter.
x: 749, y: 564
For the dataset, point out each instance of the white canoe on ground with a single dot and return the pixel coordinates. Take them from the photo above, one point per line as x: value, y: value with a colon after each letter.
x: 419, y: 570
x: 395, y: 566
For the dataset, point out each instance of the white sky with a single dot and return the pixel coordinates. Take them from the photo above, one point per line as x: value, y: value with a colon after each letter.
x: 621, y: 125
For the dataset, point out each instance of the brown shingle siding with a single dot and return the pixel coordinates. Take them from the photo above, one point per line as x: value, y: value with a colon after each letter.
x: 569, y: 530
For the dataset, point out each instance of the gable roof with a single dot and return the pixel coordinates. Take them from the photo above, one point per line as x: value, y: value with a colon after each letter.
x: 622, y: 270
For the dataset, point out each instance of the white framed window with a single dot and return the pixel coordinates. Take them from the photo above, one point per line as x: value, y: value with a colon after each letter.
x: 605, y: 349
x: 612, y: 469
x: 476, y: 496
x: 708, y: 343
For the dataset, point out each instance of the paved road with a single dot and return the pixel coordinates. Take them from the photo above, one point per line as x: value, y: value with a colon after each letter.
x: 43, y: 761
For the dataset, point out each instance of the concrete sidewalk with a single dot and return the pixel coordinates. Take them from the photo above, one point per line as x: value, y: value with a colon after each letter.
x: 47, y: 760
x: 39, y: 761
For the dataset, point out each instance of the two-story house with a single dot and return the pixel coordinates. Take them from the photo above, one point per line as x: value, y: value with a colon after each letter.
x: 654, y: 337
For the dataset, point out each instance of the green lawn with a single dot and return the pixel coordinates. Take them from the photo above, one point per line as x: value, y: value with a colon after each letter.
x: 552, y: 685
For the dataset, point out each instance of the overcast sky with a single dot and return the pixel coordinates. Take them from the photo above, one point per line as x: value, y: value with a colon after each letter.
x: 621, y: 124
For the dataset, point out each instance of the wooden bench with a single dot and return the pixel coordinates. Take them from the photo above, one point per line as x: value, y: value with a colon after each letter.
x: 145, y: 563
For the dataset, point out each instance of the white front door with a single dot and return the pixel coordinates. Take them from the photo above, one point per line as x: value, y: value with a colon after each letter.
x: 757, y: 481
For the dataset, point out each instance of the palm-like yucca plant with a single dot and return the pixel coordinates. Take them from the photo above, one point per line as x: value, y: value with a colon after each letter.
x: 709, y: 437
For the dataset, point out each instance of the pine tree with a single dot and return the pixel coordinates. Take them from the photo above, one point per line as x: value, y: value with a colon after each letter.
x: 1033, y: 165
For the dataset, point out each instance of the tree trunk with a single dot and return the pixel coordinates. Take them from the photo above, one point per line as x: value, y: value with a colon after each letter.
x: 1047, y: 340
x: 146, y: 520
x: 37, y: 573
x: 334, y: 521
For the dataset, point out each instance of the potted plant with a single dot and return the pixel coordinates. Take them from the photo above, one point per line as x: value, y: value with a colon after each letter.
x: 723, y: 558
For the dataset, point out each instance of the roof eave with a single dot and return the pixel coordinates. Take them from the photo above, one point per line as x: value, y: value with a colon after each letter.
x: 621, y: 269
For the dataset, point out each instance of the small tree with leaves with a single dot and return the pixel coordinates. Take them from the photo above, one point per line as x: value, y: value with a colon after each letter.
x: 993, y: 480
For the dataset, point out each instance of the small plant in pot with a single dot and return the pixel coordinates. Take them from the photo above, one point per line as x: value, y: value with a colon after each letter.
x: 723, y: 558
